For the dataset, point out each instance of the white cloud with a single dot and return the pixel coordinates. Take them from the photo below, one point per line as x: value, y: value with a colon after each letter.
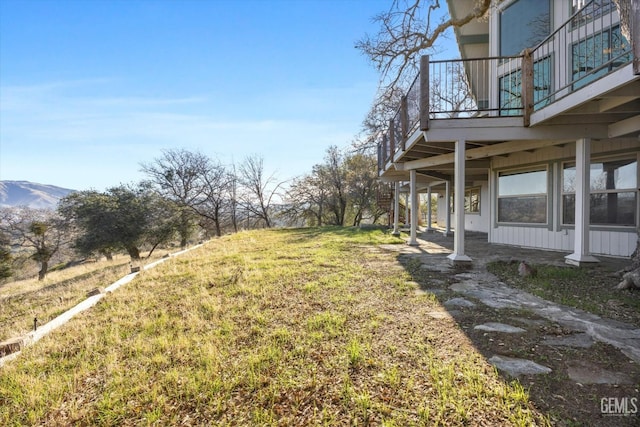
x: 75, y: 125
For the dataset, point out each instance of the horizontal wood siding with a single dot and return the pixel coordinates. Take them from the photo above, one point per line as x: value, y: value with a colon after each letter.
x: 610, y: 243
x: 620, y: 243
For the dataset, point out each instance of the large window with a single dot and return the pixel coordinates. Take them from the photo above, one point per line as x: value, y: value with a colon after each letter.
x: 524, y: 24
x: 522, y: 196
x: 613, y: 192
x: 598, y: 55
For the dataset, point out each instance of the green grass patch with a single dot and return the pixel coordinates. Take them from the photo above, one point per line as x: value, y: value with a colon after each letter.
x: 269, y: 327
x: 588, y: 288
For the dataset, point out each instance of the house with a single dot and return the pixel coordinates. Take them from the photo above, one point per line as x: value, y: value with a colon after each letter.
x: 533, y: 135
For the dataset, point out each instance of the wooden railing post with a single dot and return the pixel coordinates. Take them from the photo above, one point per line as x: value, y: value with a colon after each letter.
x: 635, y: 35
x: 424, y: 92
x: 384, y: 150
x: 527, y: 86
x: 404, y: 121
x: 392, y: 137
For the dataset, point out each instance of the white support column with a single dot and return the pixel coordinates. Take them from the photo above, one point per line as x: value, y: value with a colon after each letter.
x: 413, y: 241
x: 581, y: 254
x: 406, y: 209
x: 429, y: 228
x: 447, y: 216
x: 396, y: 208
x: 458, y: 254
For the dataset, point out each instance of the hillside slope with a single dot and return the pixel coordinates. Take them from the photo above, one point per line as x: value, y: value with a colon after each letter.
x: 33, y: 195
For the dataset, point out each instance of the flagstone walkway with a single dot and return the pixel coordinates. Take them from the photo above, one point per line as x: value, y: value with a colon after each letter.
x: 475, y: 285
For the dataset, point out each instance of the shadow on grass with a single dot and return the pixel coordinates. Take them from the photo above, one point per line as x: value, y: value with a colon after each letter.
x: 566, y: 400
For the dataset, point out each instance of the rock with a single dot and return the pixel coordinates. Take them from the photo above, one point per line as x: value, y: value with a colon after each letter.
x: 588, y: 373
x: 459, y: 302
x: 516, y: 367
x: 439, y: 315
x: 574, y: 340
x: 11, y: 346
x: 499, y: 327
x: 525, y: 270
x: 435, y: 291
x: 95, y: 291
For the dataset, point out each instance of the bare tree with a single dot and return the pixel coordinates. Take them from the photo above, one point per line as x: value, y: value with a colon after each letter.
x: 180, y: 176
x: 233, y: 198
x: 407, y: 30
x: 216, y: 191
x: 258, y: 190
x: 334, y: 174
x: 362, y: 182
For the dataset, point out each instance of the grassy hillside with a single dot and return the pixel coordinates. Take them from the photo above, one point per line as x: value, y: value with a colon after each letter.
x: 278, y: 327
x: 23, y: 300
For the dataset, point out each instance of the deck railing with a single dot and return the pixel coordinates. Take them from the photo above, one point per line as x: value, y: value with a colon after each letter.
x: 588, y: 46
x: 593, y: 44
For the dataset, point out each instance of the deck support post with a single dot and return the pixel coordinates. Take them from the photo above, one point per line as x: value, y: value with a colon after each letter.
x: 581, y: 255
x: 396, y: 208
x: 413, y: 240
x: 447, y: 215
x: 458, y: 255
x: 406, y: 209
x: 429, y: 228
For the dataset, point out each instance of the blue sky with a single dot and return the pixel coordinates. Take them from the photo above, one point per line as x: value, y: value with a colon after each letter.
x: 89, y: 89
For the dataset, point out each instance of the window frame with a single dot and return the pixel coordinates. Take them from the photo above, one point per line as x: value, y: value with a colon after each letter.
x: 467, y: 196
x: 598, y: 160
x: 547, y: 195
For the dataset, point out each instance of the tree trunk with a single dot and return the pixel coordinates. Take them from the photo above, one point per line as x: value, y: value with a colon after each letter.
x: 44, y: 267
x: 134, y: 253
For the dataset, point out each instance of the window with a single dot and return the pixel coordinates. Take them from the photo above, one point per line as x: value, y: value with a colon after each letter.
x: 471, y: 201
x: 522, y: 197
x: 524, y: 24
x: 598, y: 55
x: 613, y: 192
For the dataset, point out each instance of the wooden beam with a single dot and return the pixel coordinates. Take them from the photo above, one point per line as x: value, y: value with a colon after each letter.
x: 435, y: 175
x: 478, y: 153
x: 625, y: 127
x: 607, y: 104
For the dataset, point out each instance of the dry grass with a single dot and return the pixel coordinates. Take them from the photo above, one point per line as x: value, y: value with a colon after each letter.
x: 23, y: 300
x: 279, y: 327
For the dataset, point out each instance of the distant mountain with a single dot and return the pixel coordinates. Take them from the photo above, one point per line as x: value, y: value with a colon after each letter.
x: 25, y: 193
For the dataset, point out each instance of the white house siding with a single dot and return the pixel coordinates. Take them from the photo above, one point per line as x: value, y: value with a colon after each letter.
x: 611, y: 242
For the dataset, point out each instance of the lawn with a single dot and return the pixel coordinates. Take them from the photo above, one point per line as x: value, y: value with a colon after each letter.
x: 270, y: 327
